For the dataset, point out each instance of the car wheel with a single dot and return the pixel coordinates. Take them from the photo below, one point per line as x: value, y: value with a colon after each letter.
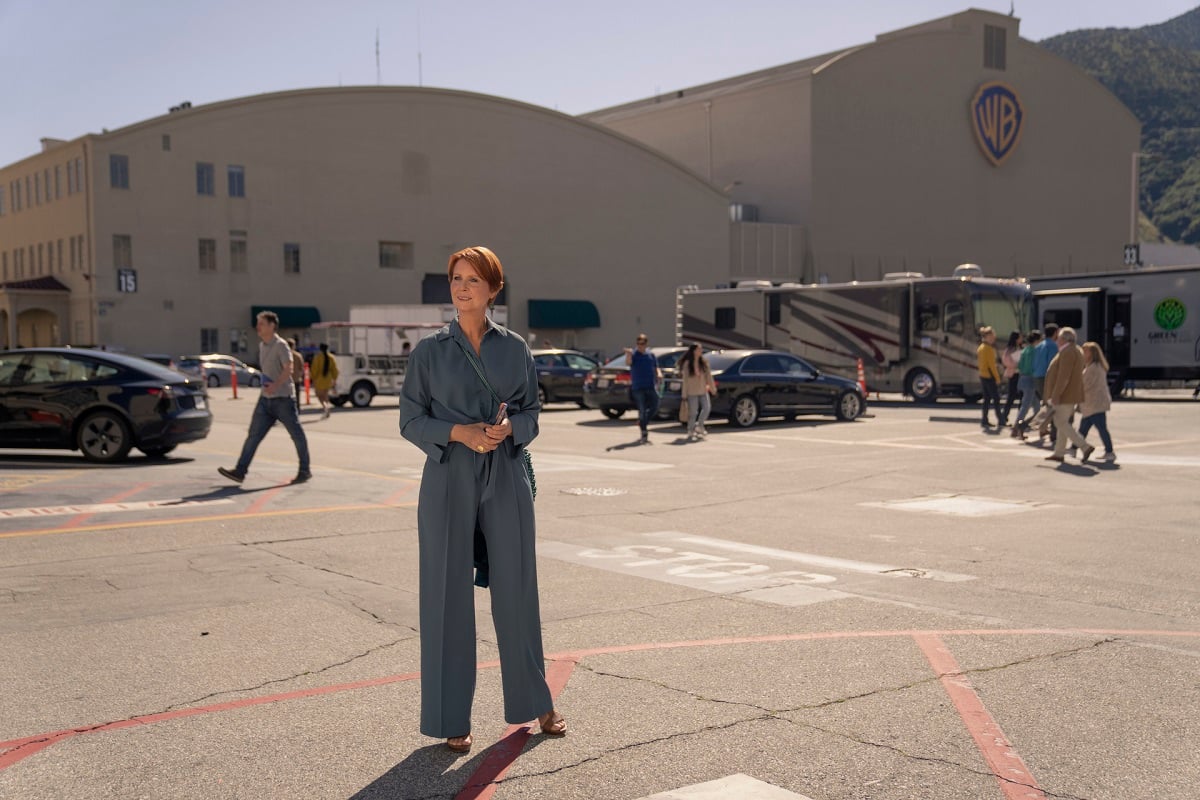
x: 256, y: 380
x: 157, y: 452
x: 612, y: 413
x: 744, y: 412
x: 921, y: 386
x: 543, y: 398
x: 104, y: 436
x: 361, y: 394
x: 214, y: 380
x: 849, y: 405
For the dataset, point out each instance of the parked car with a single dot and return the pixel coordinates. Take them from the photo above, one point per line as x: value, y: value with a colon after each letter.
x: 561, y: 373
x: 752, y: 384
x: 215, y: 369
x: 160, y: 358
x: 607, y: 386
x: 100, y: 403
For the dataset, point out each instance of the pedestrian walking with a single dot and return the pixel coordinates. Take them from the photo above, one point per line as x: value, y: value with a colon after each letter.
x: 1011, y: 376
x: 644, y: 379
x: 1026, y: 384
x: 989, y: 374
x: 297, y: 370
x: 1064, y: 390
x: 324, y: 374
x: 1046, y: 350
x: 698, y: 386
x: 276, y: 401
x: 470, y: 402
x: 1097, y: 399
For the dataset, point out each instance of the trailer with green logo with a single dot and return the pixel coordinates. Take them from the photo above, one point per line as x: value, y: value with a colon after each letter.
x: 1147, y: 321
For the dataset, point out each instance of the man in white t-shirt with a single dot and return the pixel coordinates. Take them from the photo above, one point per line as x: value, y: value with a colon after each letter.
x: 277, y: 403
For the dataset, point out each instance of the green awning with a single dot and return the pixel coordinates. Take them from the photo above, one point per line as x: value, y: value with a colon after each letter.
x: 559, y: 314
x: 289, y: 316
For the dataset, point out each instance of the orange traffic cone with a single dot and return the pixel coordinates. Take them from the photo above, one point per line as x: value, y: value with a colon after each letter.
x: 862, y: 378
x: 233, y: 382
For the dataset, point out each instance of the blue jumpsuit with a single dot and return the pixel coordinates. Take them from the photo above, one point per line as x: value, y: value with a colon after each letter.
x: 460, y: 489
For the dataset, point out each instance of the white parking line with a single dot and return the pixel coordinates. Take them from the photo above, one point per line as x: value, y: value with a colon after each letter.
x: 105, y: 508
x: 739, y: 785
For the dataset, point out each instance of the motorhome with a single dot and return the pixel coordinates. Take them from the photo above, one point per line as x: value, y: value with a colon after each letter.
x: 1147, y: 321
x: 913, y: 334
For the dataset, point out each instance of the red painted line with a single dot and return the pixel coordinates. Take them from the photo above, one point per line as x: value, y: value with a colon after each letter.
x: 487, y: 776
x: 1015, y: 779
x: 32, y: 744
x: 395, y: 497
x: 264, y: 498
x: 78, y: 520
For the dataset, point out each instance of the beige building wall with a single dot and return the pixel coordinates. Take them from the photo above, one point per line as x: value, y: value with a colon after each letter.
x: 870, y: 151
x: 903, y: 184
x: 574, y: 211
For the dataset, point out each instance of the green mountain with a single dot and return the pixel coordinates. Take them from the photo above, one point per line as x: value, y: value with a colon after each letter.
x: 1155, y: 71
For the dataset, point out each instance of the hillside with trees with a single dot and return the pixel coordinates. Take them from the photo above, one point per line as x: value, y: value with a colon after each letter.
x: 1155, y: 71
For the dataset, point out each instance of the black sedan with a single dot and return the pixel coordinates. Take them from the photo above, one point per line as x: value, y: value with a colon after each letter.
x: 752, y: 384
x: 102, y: 404
x: 607, y: 386
x: 560, y: 374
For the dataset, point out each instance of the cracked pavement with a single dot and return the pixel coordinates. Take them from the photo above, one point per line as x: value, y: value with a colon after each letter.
x: 270, y: 649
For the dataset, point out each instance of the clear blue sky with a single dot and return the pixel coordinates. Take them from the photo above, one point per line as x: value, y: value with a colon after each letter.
x: 70, y: 67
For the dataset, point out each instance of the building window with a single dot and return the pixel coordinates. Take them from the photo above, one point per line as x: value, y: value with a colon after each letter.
x: 58, y: 256
x: 37, y: 189
x: 79, y: 174
x: 166, y: 142
x: 41, y: 261
x: 57, y: 181
x: 208, y: 340
x: 73, y: 261
x: 994, y: 41
x: 237, y: 181
x: 1, y: 201
x: 15, y: 186
x: 291, y: 258
x: 46, y: 183
x: 122, y: 251
x: 208, y: 255
x: 204, y: 178
x: 396, y: 255
x: 237, y: 255
x: 4, y: 265
x: 70, y: 180
x: 118, y: 171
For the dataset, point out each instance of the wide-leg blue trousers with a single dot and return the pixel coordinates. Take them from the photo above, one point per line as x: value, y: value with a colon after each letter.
x: 493, y: 489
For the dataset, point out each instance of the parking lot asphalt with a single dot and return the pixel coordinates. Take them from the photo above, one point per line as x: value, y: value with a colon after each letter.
x: 898, y: 607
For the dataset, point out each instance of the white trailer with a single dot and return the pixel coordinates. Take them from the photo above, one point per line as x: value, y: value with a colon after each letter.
x: 913, y: 334
x: 1147, y: 321
x: 371, y: 357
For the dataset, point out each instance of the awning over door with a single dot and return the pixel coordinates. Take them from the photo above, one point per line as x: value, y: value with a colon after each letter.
x: 289, y: 316
x: 560, y: 314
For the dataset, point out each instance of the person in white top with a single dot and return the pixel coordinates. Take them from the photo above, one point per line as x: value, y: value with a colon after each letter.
x: 1097, y: 400
x: 698, y: 385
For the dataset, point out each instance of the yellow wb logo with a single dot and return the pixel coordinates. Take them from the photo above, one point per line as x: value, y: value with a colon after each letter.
x: 997, y: 118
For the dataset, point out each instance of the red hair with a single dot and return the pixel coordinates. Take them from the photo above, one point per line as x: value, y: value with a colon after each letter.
x: 485, y: 263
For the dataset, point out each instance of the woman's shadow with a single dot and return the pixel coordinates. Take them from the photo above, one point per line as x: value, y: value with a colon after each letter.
x: 427, y: 773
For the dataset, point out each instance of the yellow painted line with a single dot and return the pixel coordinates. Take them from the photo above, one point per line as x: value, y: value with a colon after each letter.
x: 22, y: 481
x: 213, y: 518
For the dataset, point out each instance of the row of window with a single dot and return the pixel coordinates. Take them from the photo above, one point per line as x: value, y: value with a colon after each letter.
x: 44, y: 185
x: 206, y: 183
x: 392, y: 255
x: 43, y: 258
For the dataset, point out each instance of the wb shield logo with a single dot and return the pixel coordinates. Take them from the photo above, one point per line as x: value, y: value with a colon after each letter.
x: 996, y: 116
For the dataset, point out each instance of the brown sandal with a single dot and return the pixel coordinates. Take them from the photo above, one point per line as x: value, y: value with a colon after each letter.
x: 463, y: 743
x: 553, y: 724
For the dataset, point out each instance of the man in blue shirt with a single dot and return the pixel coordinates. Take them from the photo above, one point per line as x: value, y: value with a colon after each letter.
x: 645, y: 375
x: 1043, y: 353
